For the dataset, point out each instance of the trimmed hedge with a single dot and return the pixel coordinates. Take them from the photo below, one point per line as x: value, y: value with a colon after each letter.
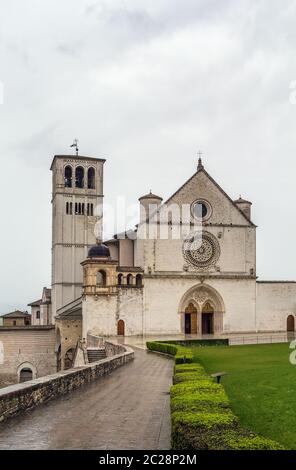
x: 189, y: 401
x: 188, y: 377
x: 181, y: 354
x: 187, y: 367
x: 201, y: 416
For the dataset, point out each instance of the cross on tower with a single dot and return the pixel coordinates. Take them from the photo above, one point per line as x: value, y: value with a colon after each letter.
x: 200, y: 165
x: 75, y: 144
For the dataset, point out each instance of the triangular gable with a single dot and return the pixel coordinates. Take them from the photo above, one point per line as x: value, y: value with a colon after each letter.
x: 202, y: 185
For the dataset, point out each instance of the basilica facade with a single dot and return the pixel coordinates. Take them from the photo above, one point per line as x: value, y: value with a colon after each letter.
x: 188, y: 267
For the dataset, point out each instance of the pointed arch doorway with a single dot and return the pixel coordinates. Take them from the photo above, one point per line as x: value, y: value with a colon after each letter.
x: 201, y: 311
x: 190, y: 320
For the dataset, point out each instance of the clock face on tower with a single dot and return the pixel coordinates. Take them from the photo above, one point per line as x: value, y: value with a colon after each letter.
x: 201, y: 249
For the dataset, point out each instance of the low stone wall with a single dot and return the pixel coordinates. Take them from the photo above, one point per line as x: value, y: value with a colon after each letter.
x: 17, y: 398
x: 112, y: 349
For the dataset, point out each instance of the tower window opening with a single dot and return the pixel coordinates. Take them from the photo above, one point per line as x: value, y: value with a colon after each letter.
x: 129, y: 280
x: 90, y: 209
x: 68, y: 177
x: 91, y: 178
x: 79, y: 177
x: 119, y: 278
x: 138, y: 280
x: 69, y: 208
x: 101, y: 278
x: 79, y: 208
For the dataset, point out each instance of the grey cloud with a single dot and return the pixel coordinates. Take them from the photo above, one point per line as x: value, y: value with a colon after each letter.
x: 146, y: 84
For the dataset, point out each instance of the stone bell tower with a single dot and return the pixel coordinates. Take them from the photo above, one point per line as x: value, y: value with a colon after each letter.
x: 77, y: 207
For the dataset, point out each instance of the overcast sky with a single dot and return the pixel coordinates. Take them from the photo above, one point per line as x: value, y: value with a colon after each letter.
x: 145, y: 84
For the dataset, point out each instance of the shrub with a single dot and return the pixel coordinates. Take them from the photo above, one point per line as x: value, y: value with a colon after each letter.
x: 180, y: 353
x: 197, y: 386
x: 192, y: 401
x: 235, y: 441
x: 189, y: 377
x: 183, y: 355
x: 193, y: 431
x: 201, y: 417
x: 193, y: 367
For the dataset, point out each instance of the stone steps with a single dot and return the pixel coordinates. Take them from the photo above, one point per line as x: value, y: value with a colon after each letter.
x: 96, y: 354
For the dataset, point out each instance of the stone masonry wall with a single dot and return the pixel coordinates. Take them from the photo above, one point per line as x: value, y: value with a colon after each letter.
x: 17, y: 398
x: 31, y: 344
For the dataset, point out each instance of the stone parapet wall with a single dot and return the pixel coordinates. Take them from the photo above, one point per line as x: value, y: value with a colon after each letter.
x: 21, y: 397
x: 112, y: 349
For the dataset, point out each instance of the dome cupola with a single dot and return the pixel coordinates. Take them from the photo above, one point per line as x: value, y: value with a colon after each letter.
x: 100, y: 250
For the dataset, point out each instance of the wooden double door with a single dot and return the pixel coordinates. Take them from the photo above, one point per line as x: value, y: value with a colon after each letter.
x: 191, y: 320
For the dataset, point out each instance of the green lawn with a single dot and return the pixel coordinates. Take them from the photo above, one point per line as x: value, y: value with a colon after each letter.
x: 261, y: 386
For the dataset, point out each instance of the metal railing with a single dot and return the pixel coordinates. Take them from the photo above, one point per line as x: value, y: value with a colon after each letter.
x: 261, y: 339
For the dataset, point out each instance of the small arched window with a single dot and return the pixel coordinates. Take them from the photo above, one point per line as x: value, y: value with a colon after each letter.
x: 79, y: 177
x: 68, y: 177
x: 139, y: 280
x: 38, y: 315
x: 119, y: 278
x: 129, y: 279
x: 91, y: 178
x: 101, y: 278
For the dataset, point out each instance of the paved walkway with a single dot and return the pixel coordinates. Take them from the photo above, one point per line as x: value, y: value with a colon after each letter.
x: 128, y: 409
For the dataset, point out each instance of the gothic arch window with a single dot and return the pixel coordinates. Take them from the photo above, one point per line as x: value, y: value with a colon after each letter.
x: 129, y: 280
x: 119, y: 279
x: 68, y: 177
x: 79, y: 177
x: 38, y: 315
x: 91, y: 178
x: 101, y: 278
